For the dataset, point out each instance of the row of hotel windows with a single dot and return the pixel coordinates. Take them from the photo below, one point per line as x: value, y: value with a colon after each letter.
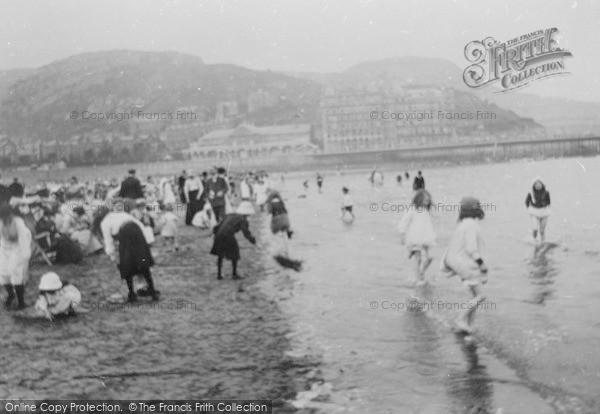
x: 359, y: 109
x: 399, y: 132
x: 245, y: 153
x: 357, y: 99
x: 352, y: 100
x: 354, y: 122
x: 365, y: 144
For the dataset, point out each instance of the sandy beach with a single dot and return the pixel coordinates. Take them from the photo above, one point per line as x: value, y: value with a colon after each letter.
x: 205, y: 339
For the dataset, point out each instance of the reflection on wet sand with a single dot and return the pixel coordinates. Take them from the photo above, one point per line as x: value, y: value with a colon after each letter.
x: 470, y: 389
x: 542, y: 273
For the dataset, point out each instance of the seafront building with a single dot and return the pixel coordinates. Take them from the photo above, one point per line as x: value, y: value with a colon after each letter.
x: 246, y: 141
x: 410, y: 117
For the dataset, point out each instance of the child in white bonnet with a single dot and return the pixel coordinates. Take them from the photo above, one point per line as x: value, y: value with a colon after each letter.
x: 56, y: 298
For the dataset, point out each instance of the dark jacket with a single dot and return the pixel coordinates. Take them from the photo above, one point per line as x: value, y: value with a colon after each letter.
x: 214, y: 187
x: 541, y: 199
x: 4, y: 194
x: 419, y: 183
x: 16, y: 190
x: 181, y: 182
x: 231, y: 224
x: 131, y: 188
x: 275, y: 205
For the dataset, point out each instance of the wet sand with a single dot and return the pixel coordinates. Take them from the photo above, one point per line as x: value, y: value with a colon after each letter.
x: 204, y: 339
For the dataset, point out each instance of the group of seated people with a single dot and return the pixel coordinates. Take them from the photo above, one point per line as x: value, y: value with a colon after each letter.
x: 62, y: 231
x: 60, y: 218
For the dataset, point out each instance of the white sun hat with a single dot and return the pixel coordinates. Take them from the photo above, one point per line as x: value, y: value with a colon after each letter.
x: 50, y: 281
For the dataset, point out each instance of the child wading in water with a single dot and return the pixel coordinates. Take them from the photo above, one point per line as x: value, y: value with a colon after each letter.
x: 417, y: 233
x: 464, y: 258
x: 347, y: 205
x: 538, y: 205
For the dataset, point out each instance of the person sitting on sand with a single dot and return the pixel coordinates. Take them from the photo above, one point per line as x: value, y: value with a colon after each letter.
x: 418, y: 234
x: 80, y: 231
x: 225, y: 244
x: 56, y: 299
x: 538, y: 205
x: 463, y: 257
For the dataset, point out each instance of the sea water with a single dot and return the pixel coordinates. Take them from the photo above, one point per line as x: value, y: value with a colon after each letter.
x: 537, y: 336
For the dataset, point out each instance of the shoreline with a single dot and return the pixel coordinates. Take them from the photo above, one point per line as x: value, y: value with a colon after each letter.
x: 166, y: 168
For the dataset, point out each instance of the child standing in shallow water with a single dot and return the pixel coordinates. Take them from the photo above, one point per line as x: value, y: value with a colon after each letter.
x: 347, y: 205
x: 464, y: 258
x: 538, y: 205
x: 417, y: 233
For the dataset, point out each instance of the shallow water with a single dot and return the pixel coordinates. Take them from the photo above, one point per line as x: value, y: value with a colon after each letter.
x: 535, y: 347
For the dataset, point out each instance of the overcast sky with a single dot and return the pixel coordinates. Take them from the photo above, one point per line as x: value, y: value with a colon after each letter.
x: 301, y: 35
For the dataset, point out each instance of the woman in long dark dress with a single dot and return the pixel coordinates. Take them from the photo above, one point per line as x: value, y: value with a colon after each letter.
x: 135, y: 257
x: 193, y: 190
x: 225, y: 244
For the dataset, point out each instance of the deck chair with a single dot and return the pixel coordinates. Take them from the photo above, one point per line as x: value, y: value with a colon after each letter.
x: 36, y: 248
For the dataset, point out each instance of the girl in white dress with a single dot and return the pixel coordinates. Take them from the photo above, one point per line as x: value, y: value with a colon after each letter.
x: 417, y: 233
x: 169, y: 229
x: 464, y: 258
x: 166, y: 189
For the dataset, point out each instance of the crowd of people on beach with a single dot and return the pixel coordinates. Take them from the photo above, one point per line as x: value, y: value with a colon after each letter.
x: 64, y: 222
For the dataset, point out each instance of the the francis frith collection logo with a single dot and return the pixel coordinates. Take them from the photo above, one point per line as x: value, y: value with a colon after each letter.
x: 515, y: 63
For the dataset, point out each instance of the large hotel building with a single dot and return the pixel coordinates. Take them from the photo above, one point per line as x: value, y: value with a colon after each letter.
x: 412, y: 117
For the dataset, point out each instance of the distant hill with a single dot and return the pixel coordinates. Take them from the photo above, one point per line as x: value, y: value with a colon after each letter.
x: 8, y: 78
x: 388, y: 72
x: 36, y: 103
x: 39, y: 104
